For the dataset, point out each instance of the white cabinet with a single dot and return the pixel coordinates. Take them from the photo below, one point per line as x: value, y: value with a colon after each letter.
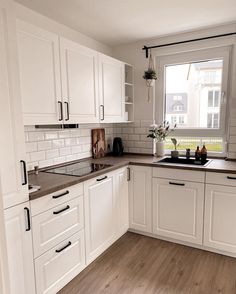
x: 79, y: 70
x: 121, y: 201
x: 111, y: 88
x: 220, y: 217
x: 19, y: 249
x: 140, y: 198
x: 54, y: 225
x: 38, y: 52
x: 12, y: 141
x: 58, y: 266
x: 99, y: 215
x: 63, y: 82
x: 178, y: 209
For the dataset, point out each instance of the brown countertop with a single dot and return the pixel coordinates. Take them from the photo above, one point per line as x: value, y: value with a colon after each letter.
x: 53, y: 182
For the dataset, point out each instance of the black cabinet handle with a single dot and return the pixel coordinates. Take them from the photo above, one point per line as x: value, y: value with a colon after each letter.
x: 128, y: 174
x: 63, y: 248
x: 231, y: 178
x: 28, y: 219
x: 60, y: 195
x: 67, y: 110
x: 61, y: 111
x: 177, y: 184
x: 60, y: 211
x: 25, y: 172
x: 102, y: 110
x: 99, y: 180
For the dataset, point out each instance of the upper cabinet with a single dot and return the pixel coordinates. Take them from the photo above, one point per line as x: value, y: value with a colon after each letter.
x: 79, y: 72
x: 111, y: 83
x: 39, y: 63
x: 64, y: 82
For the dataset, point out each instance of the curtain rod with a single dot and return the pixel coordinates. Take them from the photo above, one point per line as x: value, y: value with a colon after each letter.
x: 146, y: 48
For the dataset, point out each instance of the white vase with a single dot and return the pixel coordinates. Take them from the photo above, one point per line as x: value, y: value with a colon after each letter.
x: 160, y: 148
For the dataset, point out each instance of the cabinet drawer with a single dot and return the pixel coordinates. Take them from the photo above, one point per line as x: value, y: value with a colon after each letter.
x: 221, y: 178
x: 52, y: 200
x: 60, y: 265
x: 179, y: 174
x: 57, y: 224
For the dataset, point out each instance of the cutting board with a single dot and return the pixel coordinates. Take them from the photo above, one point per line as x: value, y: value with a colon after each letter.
x: 98, y: 143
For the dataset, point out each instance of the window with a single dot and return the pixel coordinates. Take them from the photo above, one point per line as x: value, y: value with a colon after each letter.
x: 189, y: 93
x: 186, y: 78
x: 178, y: 107
x: 213, y: 120
x: 213, y: 98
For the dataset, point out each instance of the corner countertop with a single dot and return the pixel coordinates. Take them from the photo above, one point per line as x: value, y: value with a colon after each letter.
x: 53, y: 182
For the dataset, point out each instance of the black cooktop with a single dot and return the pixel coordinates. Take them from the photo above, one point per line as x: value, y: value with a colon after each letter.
x: 78, y: 169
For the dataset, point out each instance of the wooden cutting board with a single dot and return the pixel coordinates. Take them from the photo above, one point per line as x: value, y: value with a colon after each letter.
x: 98, y: 143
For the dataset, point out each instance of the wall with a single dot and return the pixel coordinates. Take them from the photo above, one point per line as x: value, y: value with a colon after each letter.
x: 46, y: 23
x: 133, y: 54
x: 45, y: 147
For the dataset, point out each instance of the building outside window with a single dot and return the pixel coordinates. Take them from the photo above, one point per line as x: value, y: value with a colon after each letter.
x: 191, y: 85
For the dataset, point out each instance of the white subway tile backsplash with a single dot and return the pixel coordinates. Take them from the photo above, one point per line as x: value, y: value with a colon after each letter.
x: 52, y: 153
x: 31, y: 146
x: 35, y: 136
x: 51, y: 135
x: 140, y: 131
x: 58, y: 143
x: 44, y: 145
x: 65, y: 151
x: 37, y: 156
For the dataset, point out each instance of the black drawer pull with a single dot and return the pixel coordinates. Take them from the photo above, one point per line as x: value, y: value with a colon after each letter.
x: 63, y: 248
x: 61, y: 111
x: 177, y: 184
x: 60, y: 211
x: 28, y: 219
x: 60, y: 195
x: 67, y: 110
x: 98, y: 180
x: 231, y: 178
x: 25, y: 172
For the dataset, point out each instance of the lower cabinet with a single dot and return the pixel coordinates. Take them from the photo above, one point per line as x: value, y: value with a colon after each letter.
x: 121, y: 202
x: 220, y: 217
x: 99, y: 215
x: 60, y: 265
x: 140, y: 198
x: 178, y: 209
x: 19, y: 249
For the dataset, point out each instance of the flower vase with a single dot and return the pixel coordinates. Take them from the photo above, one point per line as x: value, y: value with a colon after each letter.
x: 160, y: 149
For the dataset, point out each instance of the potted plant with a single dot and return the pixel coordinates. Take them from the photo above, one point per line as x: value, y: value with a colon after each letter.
x: 175, y: 153
x: 150, y: 76
x: 159, y: 133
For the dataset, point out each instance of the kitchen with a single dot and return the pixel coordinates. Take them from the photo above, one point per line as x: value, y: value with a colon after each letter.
x: 79, y: 214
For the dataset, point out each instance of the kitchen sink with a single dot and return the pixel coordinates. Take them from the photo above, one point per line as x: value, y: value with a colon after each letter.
x: 183, y: 160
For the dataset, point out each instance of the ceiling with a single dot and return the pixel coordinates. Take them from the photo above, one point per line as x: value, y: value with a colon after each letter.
x: 115, y: 22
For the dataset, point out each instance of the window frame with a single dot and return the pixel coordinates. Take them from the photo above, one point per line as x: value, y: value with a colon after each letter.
x: 194, y: 56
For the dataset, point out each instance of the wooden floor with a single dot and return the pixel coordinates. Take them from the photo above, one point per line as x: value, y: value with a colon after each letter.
x: 138, y: 264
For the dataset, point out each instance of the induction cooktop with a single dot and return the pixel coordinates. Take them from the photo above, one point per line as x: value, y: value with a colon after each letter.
x: 78, y: 169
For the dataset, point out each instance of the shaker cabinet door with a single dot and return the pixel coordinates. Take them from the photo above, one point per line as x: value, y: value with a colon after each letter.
x: 220, y: 218
x: 178, y: 209
x: 79, y: 71
x: 140, y: 198
x: 111, y: 87
x: 19, y: 250
x: 38, y: 52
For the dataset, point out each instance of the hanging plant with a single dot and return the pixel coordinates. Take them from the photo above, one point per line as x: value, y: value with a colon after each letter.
x: 150, y: 75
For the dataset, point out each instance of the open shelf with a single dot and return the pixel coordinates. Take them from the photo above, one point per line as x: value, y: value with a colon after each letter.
x: 129, y: 93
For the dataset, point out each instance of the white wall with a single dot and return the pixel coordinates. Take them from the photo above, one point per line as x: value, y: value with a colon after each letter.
x: 133, y: 53
x: 46, y: 23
